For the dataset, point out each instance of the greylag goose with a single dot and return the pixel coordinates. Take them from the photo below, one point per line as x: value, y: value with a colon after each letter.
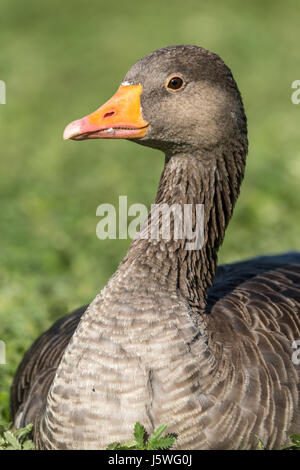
x: 172, y: 339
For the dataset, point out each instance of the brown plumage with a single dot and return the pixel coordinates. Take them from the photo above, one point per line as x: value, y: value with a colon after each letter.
x: 171, y: 339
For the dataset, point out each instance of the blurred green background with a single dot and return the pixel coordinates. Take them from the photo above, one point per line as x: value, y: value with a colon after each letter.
x: 60, y: 61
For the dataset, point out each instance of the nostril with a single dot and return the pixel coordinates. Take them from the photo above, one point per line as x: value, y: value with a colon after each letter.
x: 111, y: 113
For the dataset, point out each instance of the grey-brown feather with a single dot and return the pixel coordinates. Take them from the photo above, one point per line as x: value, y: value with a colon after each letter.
x: 37, y: 369
x: 171, y: 338
x: 250, y: 307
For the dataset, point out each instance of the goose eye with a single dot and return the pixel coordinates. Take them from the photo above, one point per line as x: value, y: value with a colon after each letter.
x: 175, y: 83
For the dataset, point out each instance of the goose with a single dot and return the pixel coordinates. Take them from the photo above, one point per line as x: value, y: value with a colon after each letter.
x: 172, y: 338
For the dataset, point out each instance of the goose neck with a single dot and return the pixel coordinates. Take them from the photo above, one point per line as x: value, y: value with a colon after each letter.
x: 196, y: 190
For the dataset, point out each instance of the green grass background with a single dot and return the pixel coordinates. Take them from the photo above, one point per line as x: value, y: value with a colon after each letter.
x: 63, y: 59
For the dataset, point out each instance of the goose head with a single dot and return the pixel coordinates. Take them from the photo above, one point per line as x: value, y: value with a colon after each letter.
x: 179, y: 99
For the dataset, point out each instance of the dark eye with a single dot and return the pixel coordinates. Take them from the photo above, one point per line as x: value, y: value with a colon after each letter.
x: 175, y: 83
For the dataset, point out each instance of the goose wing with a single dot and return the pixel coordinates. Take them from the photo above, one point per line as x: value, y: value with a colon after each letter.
x: 254, y: 309
x: 37, y: 369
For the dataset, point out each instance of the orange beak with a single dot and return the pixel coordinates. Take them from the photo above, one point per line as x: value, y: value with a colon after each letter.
x: 119, y: 118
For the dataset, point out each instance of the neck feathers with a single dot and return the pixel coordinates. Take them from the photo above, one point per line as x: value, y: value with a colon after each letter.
x: 204, y: 190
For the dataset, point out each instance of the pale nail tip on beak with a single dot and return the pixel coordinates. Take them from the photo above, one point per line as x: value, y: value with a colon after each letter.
x: 71, y: 130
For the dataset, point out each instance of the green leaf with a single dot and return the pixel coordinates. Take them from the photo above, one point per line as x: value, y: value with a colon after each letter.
x: 131, y: 444
x: 12, y: 440
x: 295, y: 438
x: 23, y: 432
x: 163, y: 443
x: 294, y: 443
x: 28, y: 445
x: 156, y: 435
x: 139, y: 434
x: 113, y: 446
x: 15, y: 439
x: 260, y: 445
x: 2, y: 442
